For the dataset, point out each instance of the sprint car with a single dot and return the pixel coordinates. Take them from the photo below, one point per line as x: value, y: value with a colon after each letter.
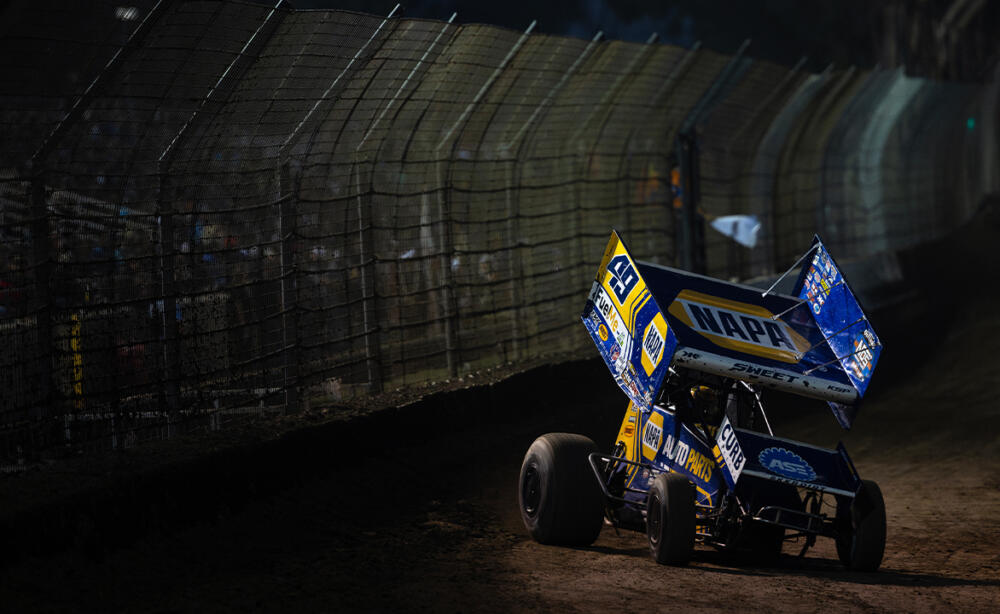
x: 695, y: 459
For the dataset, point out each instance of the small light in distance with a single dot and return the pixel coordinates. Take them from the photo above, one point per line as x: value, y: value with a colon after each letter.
x: 127, y: 13
x: 970, y: 123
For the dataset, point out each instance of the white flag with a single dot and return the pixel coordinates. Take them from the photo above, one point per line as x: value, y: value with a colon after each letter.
x: 741, y: 228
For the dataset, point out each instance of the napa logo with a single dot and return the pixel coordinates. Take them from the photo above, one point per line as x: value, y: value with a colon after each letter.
x: 743, y: 327
x: 652, y: 436
x: 653, y: 343
x: 786, y: 463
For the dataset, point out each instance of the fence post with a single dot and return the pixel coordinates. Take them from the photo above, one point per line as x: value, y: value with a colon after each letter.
x: 170, y: 379
x: 287, y: 232
x: 42, y: 262
x: 691, y: 230
x: 691, y: 233
x: 513, y: 204
x: 373, y: 347
x: 367, y: 258
x: 446, y: 243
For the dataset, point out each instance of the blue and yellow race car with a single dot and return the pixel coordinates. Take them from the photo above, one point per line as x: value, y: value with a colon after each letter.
x: 696, y: 459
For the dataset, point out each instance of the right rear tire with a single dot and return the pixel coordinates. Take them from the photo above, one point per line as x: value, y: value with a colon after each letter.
x: 861, y: 539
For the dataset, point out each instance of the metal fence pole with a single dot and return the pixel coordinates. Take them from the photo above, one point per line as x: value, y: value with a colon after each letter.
x: 83, y: 101
x: 170, y: 376
x: 513, y: 205
x: 287, y: 232
x: 765, y: 103
x: 603, y: 108
x: 42, y: 263
x: 357, y: 54
x: 444, y: 213
x: 691, y: 230
x: 678, y: 70
x: 369, y: 312
x: 283, y: 154
x: 365, y: 225
x: 602, y: 113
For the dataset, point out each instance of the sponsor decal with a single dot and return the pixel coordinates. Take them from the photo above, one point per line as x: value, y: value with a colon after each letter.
x: 699, y: 466
x: 621, y: 338
x: 623, y: 287
x: 860, y: 362
x: 601, y: 301
x: 652, y: 435
x: 653, y: 342
x: 786, y: 463
x: 781, y: 376
x: 821, y: 277
x: 730, y: 449
x: 595, y: 318
x: 676, y: 450
x: 681, y: 455
x: 602, y: 331
x: 622, y: 277
x: 738, y: 326
x: 630, y: 426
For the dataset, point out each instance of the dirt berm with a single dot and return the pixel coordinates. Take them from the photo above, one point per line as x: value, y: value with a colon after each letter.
x: 414, y: 508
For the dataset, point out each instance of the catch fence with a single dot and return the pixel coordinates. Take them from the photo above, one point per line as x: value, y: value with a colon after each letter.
x: 213, y: 209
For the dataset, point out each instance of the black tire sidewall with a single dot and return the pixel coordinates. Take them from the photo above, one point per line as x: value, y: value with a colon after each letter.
x: 861, y: 543
x: 570, y: 504
x: 671, y: 497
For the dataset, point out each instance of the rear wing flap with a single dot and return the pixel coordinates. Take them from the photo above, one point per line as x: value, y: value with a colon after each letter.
x: 628, y: 327
x: 743, y: 454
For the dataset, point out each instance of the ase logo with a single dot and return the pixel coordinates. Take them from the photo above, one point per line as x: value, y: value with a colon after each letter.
x: 786, y: 463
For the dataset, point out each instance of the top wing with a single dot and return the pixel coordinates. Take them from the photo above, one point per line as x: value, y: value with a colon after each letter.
x: 779, y: 341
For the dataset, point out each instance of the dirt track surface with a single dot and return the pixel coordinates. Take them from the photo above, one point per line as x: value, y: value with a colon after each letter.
x: 416, y: 509
x: 421, y: 515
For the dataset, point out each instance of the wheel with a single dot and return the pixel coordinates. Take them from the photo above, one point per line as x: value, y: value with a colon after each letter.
x: 560, y: 500
x: 670, y: 519
x: 861, y: 538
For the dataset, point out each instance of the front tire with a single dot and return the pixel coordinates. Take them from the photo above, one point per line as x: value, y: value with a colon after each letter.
x: 861, y: 539
x: 560, y: 500
x: 670, y: 519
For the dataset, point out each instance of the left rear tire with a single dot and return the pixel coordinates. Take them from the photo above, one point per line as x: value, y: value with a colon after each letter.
x: 560, y: 500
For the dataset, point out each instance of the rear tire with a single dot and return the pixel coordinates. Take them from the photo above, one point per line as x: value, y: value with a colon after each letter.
x: 861, y: 539
x: 560, y: 500
x: 670, y: 519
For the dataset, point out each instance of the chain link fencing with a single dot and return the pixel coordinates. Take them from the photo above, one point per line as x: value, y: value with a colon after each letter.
x: 216, y: 209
